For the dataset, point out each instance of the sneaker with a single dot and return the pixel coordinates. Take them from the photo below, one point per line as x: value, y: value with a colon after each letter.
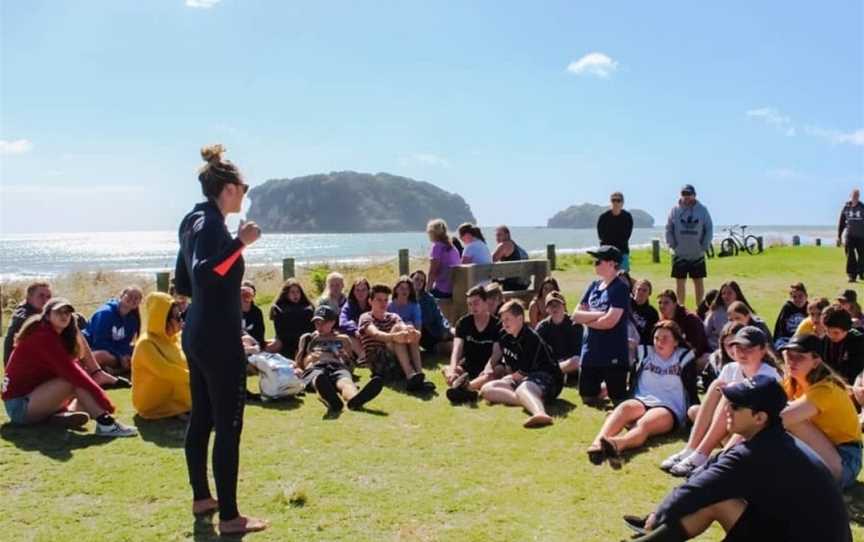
x: 116, y: 429
x: 415, y: 382
x: 369, y: 392
x: 427, y: 387
x: 327, y: 393
x: 674, y: 459
x: 684, y: 467
x: 70, y: 420
x: 462, y: 394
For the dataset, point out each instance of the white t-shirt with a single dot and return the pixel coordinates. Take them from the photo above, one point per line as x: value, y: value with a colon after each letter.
x: 732, y: 373
x: 660, y: 382
x: 477, y: 252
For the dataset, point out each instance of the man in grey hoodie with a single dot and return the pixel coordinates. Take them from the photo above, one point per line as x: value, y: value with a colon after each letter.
x: 689, y: 232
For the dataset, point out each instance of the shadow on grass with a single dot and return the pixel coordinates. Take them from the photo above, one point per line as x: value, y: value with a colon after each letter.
x: 285, y: 403
x: 560, y: 408
x: 204, y: 530
x: 654, y: 442
x: 167, y: 433
x: 53, y: 442
x: 854, y: 498
x: 399, y: 387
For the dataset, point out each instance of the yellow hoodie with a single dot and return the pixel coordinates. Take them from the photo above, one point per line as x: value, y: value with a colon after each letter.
x: 160, y: 375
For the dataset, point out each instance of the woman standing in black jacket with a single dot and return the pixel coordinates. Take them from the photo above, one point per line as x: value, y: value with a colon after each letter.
x: 210, y: 269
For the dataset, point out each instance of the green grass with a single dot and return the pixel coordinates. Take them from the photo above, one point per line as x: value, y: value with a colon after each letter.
x: 408, y: 470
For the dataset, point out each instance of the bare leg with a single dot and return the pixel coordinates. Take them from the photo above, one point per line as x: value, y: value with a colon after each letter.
x: 107, y: 360
x: 570, y: 365
x: 48, y: 398
x: 480, y: 381
x: 500, y: 391
x: 681, y: 290
x: 716, y: 431
x: 727, y: 513
x: 824, y: 448
x: 416, y: 361
x: 705, y: 415
x: 655, y: 421
x: 346, y: 388
x: 699, y: 290
x: 623, y: 414
x: 404, y: 358
x: 530, y: 396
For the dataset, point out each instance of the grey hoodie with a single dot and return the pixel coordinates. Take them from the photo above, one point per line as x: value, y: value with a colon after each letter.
x: 689, y: 231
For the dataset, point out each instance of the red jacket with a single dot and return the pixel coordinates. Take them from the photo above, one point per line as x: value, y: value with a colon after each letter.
x: 41, y: 357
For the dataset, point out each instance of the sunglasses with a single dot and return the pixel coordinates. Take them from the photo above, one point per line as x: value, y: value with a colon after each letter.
x: 616, y: 200
x: 685, y: 194
x: 243, y: 186
x: 597, y: 262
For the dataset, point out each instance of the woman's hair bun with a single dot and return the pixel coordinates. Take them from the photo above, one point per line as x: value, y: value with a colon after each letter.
x: 212, y: 153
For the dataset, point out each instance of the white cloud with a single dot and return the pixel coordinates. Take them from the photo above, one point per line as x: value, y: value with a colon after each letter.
x: 203, y: 4
x: 772, y: 116
x: 596, y: 64
x: 18, y: 146
x: 837, y: 137
x: 426, y: 159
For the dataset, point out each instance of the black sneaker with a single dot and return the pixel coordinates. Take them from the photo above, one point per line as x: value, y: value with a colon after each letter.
x: 415, y: 382
x: 637, y: 524
x: 462, y: 394
x: 369, y: 392
x: 327, y: 393
x: 427, y: 387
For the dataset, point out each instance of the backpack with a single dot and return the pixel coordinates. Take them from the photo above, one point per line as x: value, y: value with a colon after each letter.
x: 277, y: 378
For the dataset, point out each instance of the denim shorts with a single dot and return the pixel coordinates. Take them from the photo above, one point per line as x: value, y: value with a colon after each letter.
x: 16, y: 409
x: 850, y: 457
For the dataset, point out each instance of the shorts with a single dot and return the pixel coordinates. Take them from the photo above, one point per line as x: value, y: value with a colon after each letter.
x: 675, y: 422
x: 625, y: 262
x: 749, y: 528
x: 550, y: 385
x: 850, y: 458
x: 16, y: 409
x: 383, y: 363
x: 334, y: 370
x: 591, y: 377
x: 682, y: 268
x: 473, y: 369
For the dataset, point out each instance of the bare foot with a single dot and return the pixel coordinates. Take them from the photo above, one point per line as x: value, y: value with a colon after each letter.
x: 242, y: 524
x: 538, y: 420
x: 205, y: 506
x: 104, y: 379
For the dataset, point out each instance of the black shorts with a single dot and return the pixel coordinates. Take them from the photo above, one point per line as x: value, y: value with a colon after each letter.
x: 383, y: 363
x: 550, y: 385
x: 695, y: 269
x: 748, y: 527
x: 473, y: 369
x: 334, y: 370
x: 590, y: 379
x: 648, y: 407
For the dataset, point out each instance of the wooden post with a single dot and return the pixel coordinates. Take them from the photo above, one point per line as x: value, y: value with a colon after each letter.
x: 655, y: 250
x: 550, y: 255
x: 403, y: 262
x: 287, y: 268
x: 163, y: 280
x: 796, y: 240
x: 759, y: 244
x: 818, y: 242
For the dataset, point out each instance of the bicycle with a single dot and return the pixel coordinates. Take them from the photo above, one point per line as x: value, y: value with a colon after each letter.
x: 739, y: 240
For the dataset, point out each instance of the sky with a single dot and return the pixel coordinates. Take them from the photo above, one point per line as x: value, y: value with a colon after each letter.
x: 522, y: 108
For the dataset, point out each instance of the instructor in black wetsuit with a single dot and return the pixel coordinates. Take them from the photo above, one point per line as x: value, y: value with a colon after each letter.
x: 210, y: 269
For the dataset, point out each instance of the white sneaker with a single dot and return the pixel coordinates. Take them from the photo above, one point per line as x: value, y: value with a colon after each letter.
x: 674, y: 459
x: 116, y: 429
x: 685, y: 467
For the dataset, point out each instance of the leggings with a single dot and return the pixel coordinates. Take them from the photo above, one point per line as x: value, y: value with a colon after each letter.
x: 218, y: 387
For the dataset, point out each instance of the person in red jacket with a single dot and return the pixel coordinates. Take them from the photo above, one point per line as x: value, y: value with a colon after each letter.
x: 44, y: 381
x: 690, y: 324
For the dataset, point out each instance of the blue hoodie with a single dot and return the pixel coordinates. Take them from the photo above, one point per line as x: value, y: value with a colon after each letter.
x: 109, y: 331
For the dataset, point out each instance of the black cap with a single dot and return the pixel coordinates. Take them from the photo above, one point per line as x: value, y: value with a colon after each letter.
x: 749, y: 336
x: 809, y: 344
x: 849, y: 296
x: 760, y: 393
x: 606, y: 252
x: 326, y: 313
x: 688, y: 188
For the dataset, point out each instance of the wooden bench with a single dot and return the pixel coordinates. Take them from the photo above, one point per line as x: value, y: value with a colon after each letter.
x: 466, y: 276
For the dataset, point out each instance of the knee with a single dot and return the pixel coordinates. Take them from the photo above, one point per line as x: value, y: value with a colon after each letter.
x: 692, y: 412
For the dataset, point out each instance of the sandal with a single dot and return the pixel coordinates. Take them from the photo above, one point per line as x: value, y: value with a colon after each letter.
x: 611, y: 452
x: 595, y: 455
x: 242, y: 525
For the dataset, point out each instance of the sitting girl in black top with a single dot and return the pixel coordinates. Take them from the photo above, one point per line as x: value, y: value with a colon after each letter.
x: 292, y: 317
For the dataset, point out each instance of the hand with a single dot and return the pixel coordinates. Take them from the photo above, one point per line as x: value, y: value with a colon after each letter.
x: 249, y: 233
x: 517, y: 377
x: 858, y: 393
x: 649, y: 522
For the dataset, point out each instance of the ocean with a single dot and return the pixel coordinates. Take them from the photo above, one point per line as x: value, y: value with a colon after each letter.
x: 47, y: 255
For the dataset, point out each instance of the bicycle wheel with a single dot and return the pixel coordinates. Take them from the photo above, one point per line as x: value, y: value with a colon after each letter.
x: 710, y: 251
x: 728, y: 247
x: 751, y: 244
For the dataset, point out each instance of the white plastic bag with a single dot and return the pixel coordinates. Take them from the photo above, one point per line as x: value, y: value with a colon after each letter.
x: 277, y: 378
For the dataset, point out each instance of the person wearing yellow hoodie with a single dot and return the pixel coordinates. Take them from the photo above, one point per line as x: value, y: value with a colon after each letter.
x: 159, y: 370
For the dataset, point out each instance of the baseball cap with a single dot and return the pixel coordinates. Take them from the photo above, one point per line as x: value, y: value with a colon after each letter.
x: 606, y: 252
x: 849, y: 296
x: 749, y: 336
x: 326, y: 313
x: 555, y: 297
x: 761, y: 393
x: 57, y: 303
x: 688, y: 189
x: 808, y: 344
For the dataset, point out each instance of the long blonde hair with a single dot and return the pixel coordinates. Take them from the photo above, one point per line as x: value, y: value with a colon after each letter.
x: 438, y: 228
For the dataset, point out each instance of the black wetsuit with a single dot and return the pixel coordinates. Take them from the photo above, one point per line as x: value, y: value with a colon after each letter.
x: 210, y: 270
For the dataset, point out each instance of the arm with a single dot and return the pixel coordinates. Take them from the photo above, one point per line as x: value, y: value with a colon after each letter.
x: 798, y: 411
x: 376, y: 333
x: 212, y: 257
x: 707, y: 232
x: 347, y: 322
x: 628, y: 225
x: 417, y: 316
x: 70, y: 371
x: 601, y: 228
x: 842, y: 224
x: 182, y: 282
x: 689, y: 376
x: 607, y: 320
x: 455, y: 354
x: 302, y: 357
x: 670, y: 230
x: 434, y: 266
x: 499, y: 252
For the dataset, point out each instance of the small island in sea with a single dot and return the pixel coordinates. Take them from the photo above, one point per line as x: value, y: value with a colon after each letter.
x: 585, y: 216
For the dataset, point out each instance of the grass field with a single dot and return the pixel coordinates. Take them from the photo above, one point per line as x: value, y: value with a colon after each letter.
x: 410, y: 469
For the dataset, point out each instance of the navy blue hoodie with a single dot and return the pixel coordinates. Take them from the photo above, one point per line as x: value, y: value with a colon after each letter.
x: 110, y: 331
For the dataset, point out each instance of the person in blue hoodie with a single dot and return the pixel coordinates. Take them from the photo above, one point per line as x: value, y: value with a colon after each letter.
x: 113, y: 328
x: 689, y: 231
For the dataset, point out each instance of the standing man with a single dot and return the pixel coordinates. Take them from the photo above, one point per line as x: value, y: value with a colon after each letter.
x: 614, y: 228
x: 689, y: 231
x: 852, y: 220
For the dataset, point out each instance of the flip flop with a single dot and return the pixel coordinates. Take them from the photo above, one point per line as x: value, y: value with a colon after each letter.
x: 612, y: 454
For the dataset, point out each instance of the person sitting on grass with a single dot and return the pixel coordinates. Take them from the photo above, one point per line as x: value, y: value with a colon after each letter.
x: 44, y: 381
x: 537, y: 307
x: 253, y: 318
x: 37, y: 294
x: 292, y: 317
x: 690, y: 324
x: 333, y: 295
x: 665, y: 385
x: 750, y: 349
x: 386, y: 337
x: 704, y: 306
x: 820, y: 412
x: 722, y: 356
x: 534, y: 377
x: 357, y: 304
x: 475, y: 349
x: 404, y: 303
x: 843, y: 346
x: 561, y: 335
x: 494, y: 297
x: 793, y: 312
x: 741, y: 313
x: 766, y: 488
x: 113, y: 328
x: 436, y: 329
x: 729, y: 293
x: 812, y: 325
x: 848, y: 299
x: 159, y: 367
x: 324, y: 359
x: 642, y: 314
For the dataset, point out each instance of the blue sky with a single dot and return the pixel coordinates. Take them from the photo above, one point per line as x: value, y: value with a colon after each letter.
x: 522, y: 108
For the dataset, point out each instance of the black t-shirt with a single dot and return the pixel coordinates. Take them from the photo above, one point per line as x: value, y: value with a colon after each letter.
x: 644, y: 317
x: 564, y: 339
x: 253, y: 323
x: 615, y: 230
x: 527, y: 353
x: 478, y: 344
x: 847, y: 356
